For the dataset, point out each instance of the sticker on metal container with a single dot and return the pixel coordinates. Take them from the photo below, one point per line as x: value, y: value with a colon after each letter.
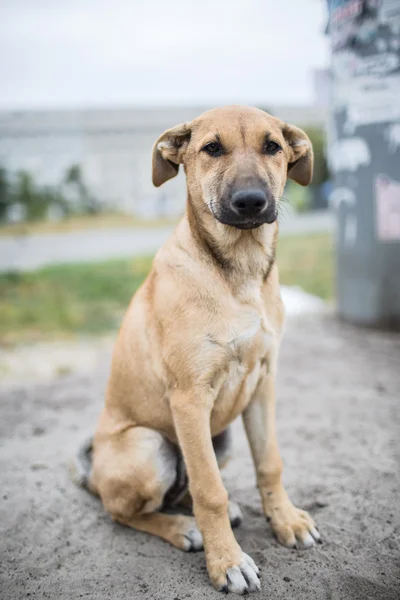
x: 387, y: 196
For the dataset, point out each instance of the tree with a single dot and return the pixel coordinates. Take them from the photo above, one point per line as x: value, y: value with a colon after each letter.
x: 5, y: 199
x: 74, y: 178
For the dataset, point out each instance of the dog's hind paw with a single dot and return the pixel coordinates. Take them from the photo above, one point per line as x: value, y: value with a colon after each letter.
x: 235, y: 514
x: 193, y: 540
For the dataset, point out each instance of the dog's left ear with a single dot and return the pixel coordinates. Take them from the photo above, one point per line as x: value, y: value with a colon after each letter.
x: 301, y: 156
x: 169, y: 151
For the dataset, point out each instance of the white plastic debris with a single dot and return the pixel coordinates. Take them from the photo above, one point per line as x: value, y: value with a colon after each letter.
x: 298, y: 302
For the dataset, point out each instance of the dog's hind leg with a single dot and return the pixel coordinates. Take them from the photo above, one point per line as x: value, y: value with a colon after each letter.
x: 222, y: 444
x: 178, y: 530
x: 81, y: 466
x: 135, y: 473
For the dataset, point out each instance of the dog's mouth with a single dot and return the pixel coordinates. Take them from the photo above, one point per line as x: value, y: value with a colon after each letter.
x: 251, y: 225
x: 231, y: 219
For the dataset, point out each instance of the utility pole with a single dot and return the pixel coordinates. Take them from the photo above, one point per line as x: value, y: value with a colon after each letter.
x: 364, y: 157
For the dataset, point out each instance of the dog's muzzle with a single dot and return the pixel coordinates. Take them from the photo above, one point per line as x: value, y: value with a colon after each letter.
x: 248, y: 209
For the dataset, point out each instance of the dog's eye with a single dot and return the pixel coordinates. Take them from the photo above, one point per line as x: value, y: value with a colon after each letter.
x: 271, y: 147
x: 213, y: 149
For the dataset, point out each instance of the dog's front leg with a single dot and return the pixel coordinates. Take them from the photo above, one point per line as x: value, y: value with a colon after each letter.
x: 229, y: 568
x: 292, y: 526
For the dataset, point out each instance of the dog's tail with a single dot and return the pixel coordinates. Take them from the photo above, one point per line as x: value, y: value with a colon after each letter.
x: 80, y: 466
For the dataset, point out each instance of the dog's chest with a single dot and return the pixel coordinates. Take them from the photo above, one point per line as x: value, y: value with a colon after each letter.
x: 247, y: 353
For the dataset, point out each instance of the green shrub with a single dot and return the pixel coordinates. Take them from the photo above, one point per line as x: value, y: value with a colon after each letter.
x: 37, y: 201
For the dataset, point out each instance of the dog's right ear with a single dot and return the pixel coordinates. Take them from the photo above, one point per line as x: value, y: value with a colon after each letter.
x: 169, y: 151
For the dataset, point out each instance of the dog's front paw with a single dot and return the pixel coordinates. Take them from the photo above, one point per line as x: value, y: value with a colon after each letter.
x: 240, y: 578
x: 293, y: 527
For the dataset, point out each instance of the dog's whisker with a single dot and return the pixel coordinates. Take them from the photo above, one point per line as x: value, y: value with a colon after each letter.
x: 283, y: 201
x: 285, y: 208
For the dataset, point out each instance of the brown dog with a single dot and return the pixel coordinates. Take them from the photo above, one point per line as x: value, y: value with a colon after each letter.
x: 199, y: 346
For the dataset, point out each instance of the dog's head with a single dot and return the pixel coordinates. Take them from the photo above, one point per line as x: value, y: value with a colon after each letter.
x: 237, y: 160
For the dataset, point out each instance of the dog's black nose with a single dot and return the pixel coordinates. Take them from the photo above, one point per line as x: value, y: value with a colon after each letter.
x: 249, y: 203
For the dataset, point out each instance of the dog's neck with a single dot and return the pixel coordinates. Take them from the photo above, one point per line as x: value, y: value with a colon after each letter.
x: 244, y: 257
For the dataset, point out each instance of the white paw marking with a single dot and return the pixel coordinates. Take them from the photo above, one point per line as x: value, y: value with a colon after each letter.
x: 193, y: 540
x: 243, y: 578
x: 235, y: 514
x: 316, y: 534
x: 306, y: 541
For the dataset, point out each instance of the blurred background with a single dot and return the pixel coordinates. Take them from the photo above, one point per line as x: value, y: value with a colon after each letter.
x: 86, y: 89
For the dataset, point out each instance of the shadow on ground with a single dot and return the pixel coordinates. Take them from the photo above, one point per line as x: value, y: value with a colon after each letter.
x: 338, y: 426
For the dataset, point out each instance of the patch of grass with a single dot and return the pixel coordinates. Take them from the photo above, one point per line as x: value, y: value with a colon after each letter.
x: 67, y: 299
x: 307, y: 261
x: 91, y: 298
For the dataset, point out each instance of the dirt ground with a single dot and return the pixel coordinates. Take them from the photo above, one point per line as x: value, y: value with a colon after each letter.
x: 339, y: 428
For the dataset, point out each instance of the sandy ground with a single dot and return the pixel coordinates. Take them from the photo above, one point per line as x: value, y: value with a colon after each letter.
x: 339, y: 405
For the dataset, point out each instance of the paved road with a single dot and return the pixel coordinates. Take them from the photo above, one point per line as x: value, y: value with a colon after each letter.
x: 338, y: 415
x: 31, y: 252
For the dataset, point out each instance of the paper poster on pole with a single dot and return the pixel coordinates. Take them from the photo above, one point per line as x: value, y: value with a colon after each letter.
x: 387, y: 195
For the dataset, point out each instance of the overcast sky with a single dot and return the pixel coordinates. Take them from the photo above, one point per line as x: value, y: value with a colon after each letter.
x: 84, y: 53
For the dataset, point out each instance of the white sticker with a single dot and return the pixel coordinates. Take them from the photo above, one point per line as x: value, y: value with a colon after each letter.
x: 350, y: 229
x: 346, y: 196
x: 371, y: 100
x: 392, y: 135
x: 389, y: 12
x: 342, y: 195
x: 348, y: 154
x: 387, y: 194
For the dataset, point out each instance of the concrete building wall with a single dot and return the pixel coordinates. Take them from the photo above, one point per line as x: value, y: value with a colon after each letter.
x: 113, y: 148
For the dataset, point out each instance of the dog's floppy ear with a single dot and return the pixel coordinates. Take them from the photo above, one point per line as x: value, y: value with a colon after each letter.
x: 168, y: 152
x: 301, y: 156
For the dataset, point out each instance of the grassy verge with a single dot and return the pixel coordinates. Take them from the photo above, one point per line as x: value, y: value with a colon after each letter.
x: 101, y: 221
x: 91, y: 298
x: 307, y: 261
